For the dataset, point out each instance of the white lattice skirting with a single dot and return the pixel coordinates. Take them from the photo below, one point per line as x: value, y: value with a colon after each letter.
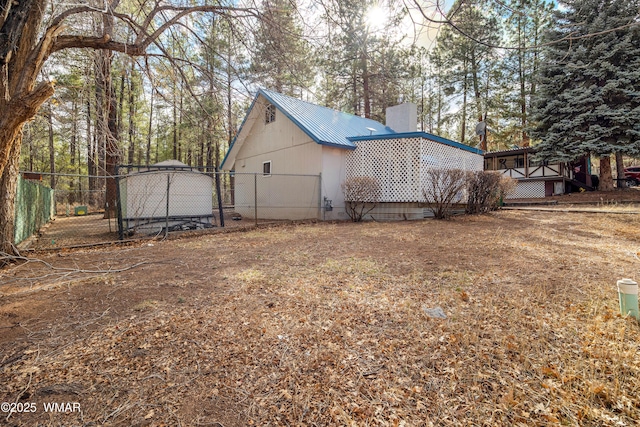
x: 528, y: 190
x: 401, y: 165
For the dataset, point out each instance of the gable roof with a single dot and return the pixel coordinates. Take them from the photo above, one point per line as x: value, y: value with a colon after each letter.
x: 323, y: 125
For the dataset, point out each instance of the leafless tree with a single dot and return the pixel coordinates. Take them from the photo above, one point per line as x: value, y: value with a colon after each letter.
x: 31, y: 31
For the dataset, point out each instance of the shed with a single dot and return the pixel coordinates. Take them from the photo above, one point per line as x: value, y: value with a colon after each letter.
x: 166, y: 194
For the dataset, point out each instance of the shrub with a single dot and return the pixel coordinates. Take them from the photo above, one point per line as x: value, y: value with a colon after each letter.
x: 361, y: 195
x: 442, y: 189
x: 485, y: 190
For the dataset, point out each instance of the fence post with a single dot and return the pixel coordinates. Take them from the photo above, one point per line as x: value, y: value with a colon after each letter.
x: 320, y: 208
x: 255, y: 197
x: 119, y: 204
x: 166, y: 229
x: 220, y: 210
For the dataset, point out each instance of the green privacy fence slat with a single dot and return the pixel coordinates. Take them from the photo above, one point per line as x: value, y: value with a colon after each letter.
x: 34, y: 208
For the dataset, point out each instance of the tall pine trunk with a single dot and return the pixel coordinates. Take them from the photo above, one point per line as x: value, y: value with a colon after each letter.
x: 606, y: 178
x: 619, y: 167
x: 52, y: 153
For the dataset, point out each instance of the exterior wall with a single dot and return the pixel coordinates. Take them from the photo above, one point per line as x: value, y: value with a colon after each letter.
x: 291, y: 197
x: 333, y: 176
x: 403, y: 117
x: 396, y: 212
x: 290, y: 151
x: 401, y: 165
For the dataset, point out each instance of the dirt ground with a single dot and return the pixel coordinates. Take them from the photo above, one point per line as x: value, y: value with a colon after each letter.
x: 66, y: 232
x: 330, y: 324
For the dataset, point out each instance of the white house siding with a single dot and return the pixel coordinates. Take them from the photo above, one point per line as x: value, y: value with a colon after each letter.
x: 290, y: 151
x: 333, y: 173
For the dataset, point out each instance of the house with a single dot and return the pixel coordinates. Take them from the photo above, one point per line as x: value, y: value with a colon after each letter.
x: 282, y: 136
x: 539, y: 179
x: 166, y: 194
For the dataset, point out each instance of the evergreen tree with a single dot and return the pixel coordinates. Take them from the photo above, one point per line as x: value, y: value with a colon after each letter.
x: 281, y: 59
x: 525, y: 21
x: 364, y: 61
x: 588, y: 99
x: 467, y: 48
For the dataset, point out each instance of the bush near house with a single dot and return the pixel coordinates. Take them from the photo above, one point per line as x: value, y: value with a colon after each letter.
x: 446, y: 188
x: 443, y: 189
x: 485, y: 190
x: 361, y: 195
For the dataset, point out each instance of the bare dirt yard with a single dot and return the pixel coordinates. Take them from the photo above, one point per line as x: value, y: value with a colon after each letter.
x: 330, y: 324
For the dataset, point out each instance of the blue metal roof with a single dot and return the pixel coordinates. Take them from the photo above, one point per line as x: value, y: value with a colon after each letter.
x: 331, y: 127
x: 324, y: 125
x: 426, y: 135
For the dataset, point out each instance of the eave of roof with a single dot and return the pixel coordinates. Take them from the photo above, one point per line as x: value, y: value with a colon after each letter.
x: 509, y: 151
x: 425, y: 135
x: 323, y: 125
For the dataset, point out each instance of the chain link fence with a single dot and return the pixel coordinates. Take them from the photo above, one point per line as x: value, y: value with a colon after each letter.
x: 142, y: 202
x: 34, y: 208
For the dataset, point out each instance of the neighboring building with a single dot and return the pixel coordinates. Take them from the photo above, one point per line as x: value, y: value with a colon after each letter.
x: 536, y: 179
x: 283, y: 135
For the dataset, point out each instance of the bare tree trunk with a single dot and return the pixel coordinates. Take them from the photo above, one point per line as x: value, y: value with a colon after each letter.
x: 366, y: 90
x: 52, y: 155
x: 112, y: 149
x: 175, y: 127
x: 475, y: 79
x: 465, y: 89
x: 180, y: 119
x: 120, y: 105
x: 132, y: 113
x: 606, y: 179
x: 148, y: 157
x: 619, y: 167
x: 8, y: 186
x: 73, y: 147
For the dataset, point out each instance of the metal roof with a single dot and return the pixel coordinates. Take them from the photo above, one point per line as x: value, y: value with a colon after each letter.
x: 324, y: 125
x: 329, y: 127
x: 425, y: 135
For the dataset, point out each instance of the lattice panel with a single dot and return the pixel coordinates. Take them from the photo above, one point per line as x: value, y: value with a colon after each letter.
x: 401, y: 165
x: 528, y: 190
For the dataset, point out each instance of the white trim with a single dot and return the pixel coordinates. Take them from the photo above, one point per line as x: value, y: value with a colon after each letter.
x: 266, y: 174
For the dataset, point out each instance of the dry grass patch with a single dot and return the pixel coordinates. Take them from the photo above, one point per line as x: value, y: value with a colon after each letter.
x: 330, y: 328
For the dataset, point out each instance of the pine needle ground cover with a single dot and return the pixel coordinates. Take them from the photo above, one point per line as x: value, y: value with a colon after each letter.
x: 329, y: 324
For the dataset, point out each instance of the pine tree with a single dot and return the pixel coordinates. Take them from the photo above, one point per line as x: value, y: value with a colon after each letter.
x: 467, y: 48
x: 281, y: 59
x: 588, y: 98
x: 363, y: 59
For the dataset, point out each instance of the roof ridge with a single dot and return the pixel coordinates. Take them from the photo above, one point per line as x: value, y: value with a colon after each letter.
x: 272, y: 92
